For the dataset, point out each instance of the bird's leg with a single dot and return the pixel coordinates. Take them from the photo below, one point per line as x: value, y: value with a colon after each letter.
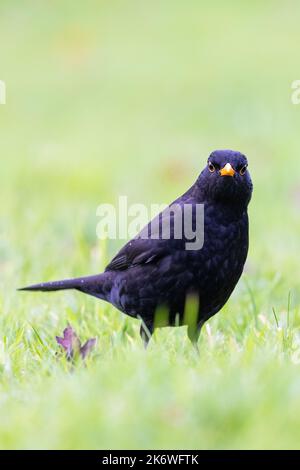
x: 193, y: 333
x: 146, y: 333
x: 193, y: 337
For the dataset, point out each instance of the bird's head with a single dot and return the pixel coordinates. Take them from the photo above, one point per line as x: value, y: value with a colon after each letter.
x: 226, y: 178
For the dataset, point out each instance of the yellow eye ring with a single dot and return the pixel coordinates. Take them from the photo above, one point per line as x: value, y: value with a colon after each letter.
x: 243, y: 170
x: 211, y: 167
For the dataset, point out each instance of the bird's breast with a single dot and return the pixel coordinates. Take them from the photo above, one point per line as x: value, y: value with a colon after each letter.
x: 219, y: 263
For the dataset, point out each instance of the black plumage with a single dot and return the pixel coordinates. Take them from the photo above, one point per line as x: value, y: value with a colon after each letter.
x: 150, y: 274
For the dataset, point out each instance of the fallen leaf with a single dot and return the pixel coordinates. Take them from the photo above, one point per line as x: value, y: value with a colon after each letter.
x: 72, y: 344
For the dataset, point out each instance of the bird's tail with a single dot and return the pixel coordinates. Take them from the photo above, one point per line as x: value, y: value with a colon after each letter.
x: 84, y: 284
x: 52, y: 286
x: 98, y: 285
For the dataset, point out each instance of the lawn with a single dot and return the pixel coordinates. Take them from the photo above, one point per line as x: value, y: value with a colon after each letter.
x: 128, y: 98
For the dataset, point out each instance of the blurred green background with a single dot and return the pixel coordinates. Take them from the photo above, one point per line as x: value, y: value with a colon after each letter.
x: 109, y: 98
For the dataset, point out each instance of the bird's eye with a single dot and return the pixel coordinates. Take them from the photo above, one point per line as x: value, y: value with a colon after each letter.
x: 211, y: 167
x: 243, y: 170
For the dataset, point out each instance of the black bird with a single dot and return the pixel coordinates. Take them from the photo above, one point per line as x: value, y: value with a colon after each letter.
x: 152, y: 272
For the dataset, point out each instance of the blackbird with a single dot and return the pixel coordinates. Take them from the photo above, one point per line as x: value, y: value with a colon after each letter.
x: 155, y: 273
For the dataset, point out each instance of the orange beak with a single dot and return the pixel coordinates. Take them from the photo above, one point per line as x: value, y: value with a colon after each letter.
x: 227, y: 170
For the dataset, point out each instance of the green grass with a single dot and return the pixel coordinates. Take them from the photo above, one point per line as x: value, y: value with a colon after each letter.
x: 128, y: 98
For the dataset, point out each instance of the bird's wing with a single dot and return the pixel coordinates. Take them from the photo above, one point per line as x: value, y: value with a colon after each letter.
x: 144, y: 249
x: 137, y: 251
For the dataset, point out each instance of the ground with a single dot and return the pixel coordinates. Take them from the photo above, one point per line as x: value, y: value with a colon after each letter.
x: 128, y: 98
